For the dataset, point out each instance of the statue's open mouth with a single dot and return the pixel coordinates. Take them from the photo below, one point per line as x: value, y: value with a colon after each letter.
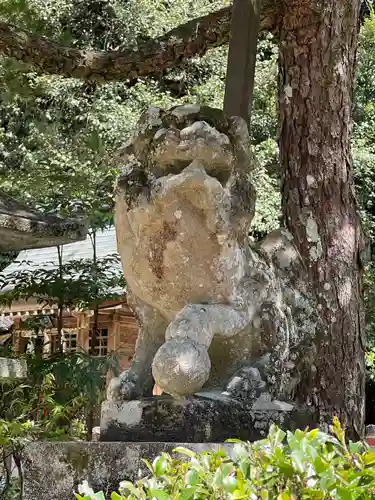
x: 173, y: 150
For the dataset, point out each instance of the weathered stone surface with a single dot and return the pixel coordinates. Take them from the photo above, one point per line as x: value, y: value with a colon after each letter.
x: 207, y: 418
x: 96, y: 433
x: 215, y: 312
x: 12, y: 369
x: 53, y: 470
x: 22, y: 227
x: 247, y: 384
x: 191, y: 372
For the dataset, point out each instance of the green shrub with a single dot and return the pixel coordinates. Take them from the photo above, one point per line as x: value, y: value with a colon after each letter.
x: 301, y: 465
x: 55, y: 402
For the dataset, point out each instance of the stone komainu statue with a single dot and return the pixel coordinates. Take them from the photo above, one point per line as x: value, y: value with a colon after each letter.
x: 215, y: 312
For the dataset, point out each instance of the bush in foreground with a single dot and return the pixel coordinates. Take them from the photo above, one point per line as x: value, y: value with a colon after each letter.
x: 285, y: 466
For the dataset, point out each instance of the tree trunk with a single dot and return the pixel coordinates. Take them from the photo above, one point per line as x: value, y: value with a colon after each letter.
x: 89, y: 422
x: 94, y: 331
x: 60, y: 304
x: 317, y: 56
x: 95, y: 320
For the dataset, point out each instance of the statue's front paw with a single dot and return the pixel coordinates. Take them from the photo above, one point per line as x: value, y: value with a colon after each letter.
x: 181, y: 367
x: 246, y: 384
x: 123, y: 388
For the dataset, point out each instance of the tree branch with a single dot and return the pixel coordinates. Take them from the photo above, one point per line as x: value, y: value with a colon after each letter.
x: 173, y: 49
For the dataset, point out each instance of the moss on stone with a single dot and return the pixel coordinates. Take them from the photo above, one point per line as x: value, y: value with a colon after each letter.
x: 77, y: 458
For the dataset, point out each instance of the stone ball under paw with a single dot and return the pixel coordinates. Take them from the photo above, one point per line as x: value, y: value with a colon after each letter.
x: 181, y: 367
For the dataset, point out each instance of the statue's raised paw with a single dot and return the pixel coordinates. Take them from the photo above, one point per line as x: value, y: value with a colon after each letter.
x: 124, y: 387
x: 181, y: 367
x: 247, y: 383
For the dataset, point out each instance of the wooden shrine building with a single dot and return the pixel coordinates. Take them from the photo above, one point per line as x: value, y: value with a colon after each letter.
x: 117, y: 326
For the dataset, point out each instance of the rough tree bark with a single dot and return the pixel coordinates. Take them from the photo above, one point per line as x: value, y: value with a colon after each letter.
x: 317, y: 58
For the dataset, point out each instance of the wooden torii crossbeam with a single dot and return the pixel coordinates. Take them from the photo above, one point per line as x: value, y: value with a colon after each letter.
x: 241, y: 58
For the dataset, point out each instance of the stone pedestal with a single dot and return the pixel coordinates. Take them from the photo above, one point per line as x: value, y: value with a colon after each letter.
x: 53, y: 470
x: 202, y: 418
x: 12, y: 369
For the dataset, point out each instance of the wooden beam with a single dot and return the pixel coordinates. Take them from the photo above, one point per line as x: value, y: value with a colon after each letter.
x: 241, y: 58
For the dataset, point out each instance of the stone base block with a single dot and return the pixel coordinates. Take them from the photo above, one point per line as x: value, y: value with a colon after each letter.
x: 11, y: 369
x: 198, y: 419
x: 53, y: 470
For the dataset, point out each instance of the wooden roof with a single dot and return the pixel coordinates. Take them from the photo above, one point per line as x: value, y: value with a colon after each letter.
x: 22, y: 227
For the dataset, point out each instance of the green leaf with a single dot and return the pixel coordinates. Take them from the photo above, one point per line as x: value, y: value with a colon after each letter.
x: 344, y: 493
x: 184, y: 451
x: 284, y: 496
x: 148, y: 465
x: 298, y: 460
x: 369, y: 459
x: 313, y: 434
x: 98, y: 496
x: 159, y: 495
x: 239, y: 495
x: 320, y: 465
x: 337, y: 430
x: 160, y: 466
x: 230, y: 483
x: 187, y: 493
x: 276, y: 435
x: 192, y: 477
x: 311, y: 493
x: 127, y: 486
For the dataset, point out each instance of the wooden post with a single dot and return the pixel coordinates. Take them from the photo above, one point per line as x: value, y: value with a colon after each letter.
x: 242, y: 58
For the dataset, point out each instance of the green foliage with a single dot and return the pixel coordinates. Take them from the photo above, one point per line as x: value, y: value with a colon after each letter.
x: 370, y: 363
x: 80, y: 283
x: 285, y: 466
x: 51, y: 403
x: 6, y: 258
x: 59, y: 137
x: 363, y: 146
x: 55, y: 394
x: 364, y: 110
x: 267, y: 182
